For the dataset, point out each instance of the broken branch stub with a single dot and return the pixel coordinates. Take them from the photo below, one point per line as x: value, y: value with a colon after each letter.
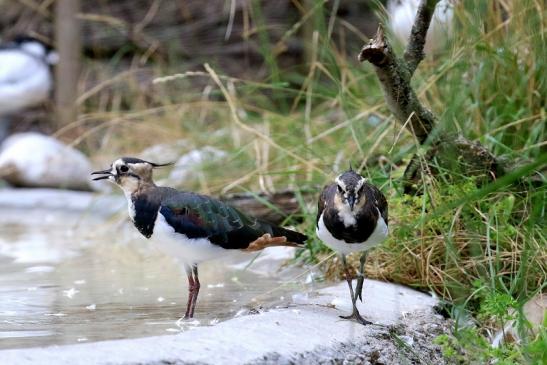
x: 395, y: 75
x: 395, y: 81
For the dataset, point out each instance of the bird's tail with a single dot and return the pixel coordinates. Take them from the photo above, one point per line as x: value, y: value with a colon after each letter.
x: 277, y: 237
x: 296, y: 238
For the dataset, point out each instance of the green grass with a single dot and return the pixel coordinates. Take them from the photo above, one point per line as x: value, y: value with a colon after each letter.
x: 482, y: 249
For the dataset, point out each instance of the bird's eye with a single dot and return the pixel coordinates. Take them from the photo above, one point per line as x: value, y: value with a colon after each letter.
x: 340, y: 190
x: 124, y: 168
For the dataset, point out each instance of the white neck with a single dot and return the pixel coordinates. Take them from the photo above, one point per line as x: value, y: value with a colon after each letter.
x: 130, y: 205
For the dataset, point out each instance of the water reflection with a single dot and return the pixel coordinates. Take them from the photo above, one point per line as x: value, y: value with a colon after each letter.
x: 64, y: 282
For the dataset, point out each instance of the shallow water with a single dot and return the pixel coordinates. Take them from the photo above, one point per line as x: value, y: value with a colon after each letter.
x: 69, y: 279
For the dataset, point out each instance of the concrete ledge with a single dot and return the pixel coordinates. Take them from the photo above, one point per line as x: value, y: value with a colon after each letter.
x: 309, y: 331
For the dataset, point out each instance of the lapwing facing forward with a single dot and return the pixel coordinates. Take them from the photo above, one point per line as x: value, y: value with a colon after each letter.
x: 351, y: 217
x: 187, y: 226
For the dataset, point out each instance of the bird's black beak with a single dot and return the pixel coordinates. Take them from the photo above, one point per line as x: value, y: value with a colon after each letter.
x: 351, y: 201
x: 106, y: 174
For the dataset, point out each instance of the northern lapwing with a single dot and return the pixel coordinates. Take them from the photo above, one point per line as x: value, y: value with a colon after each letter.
x: 187, y: 226
x: 25, y: 75
x: 352, y: 217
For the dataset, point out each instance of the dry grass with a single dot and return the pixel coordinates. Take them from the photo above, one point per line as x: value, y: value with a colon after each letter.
x: 298, y: 132
x: 298, y: 129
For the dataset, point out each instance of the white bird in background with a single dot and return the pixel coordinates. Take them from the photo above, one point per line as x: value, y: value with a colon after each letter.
x: 401, y: 18
x: 25, y: 75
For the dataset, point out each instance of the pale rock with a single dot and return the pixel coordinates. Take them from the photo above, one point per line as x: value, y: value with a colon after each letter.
x: 190, y: 163
x: 37, y: 160
x: 268, y: 262
x: 535, y: 312
x: 165, y: 152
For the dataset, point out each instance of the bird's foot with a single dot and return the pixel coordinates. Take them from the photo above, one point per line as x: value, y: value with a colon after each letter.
x: 357, y: 318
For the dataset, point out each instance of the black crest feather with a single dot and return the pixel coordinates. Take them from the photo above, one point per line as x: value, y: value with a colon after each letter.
x: 138, y: 160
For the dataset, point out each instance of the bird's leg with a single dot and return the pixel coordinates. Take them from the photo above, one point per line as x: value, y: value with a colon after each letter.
x: 348, y: 277
x: 355, y: 313
x: 191, y: 285
x: 361, y: 277
x: 196, y: 289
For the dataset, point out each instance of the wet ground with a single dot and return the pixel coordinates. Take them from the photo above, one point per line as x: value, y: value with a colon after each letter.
x: 73, y: 278
x: 73, y: 272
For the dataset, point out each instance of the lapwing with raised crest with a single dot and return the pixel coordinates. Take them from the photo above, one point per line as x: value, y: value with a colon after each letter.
x: 187, y: 226
x: 352, y: 217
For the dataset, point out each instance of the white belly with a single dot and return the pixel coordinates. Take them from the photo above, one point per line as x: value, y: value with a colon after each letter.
x: 378, y: 236
x: 179, y: 246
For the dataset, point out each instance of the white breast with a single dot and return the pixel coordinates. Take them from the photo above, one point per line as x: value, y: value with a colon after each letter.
x: 347, y: 216
x: 182, y: 248
x: 378, y: 236
x: 25, y: 81
x: 130, y: 205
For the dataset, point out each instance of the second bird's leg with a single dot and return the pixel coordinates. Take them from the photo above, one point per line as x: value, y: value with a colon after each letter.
x: 193, y: 289
x: 355, y: 312
x: 191, y: 284
x: 196, y: 289
x: 361, y: 277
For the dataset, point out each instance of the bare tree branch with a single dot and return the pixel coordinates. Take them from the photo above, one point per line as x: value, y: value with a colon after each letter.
x: 451, y: 152
x: 395, y: 80
x: 414, y: 53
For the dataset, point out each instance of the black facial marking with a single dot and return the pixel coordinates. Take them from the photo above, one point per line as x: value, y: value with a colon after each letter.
x: 146, y: 212
x: 134, y: 160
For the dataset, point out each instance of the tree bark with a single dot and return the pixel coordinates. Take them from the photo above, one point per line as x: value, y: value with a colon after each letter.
x: 395, y: 76
x: 67, y: 72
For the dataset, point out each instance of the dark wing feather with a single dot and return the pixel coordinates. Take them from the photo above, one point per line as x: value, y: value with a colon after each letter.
x: 380, y: 202
x: 146, y: 212
x: 199, y: 216
x: 323, y: 199
x: 184, y: 221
